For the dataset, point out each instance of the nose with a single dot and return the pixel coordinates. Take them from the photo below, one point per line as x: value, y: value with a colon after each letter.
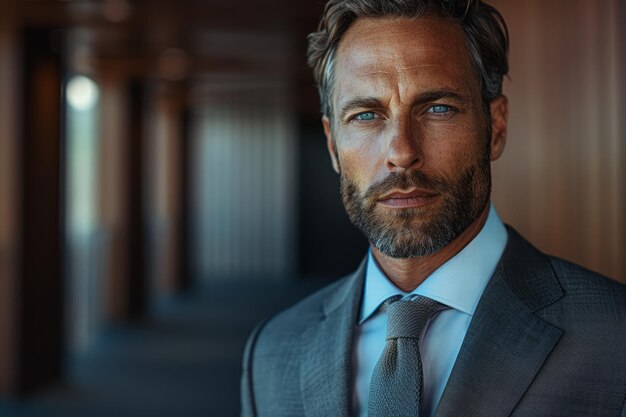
x: 404, y: 149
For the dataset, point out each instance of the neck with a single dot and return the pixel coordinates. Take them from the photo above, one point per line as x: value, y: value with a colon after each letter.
x: 408, y: 273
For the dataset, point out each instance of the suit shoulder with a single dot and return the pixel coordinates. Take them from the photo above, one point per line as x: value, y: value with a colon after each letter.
x: 292, y: 321
x: 590, y: 299
x: 579, y: 280
x: 536, y: 273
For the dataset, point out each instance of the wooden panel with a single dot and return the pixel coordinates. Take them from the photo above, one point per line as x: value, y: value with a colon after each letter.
x: 136, y: 287
x: 41, y: 286
x: 122, y: 194
x: 163, y: 153
x: 561, y: 181
x: 112, y: 192
x: 183, y: 224
x: 9, y: 212
x: 244, y: 154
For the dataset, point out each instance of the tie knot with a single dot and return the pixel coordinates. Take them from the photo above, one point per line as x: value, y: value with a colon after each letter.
x: 407, y: 318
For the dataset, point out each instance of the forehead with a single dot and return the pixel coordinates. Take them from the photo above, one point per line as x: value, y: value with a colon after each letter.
x: 427, y: 52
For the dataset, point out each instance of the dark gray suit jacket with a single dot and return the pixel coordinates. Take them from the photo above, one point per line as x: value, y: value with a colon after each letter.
x: 548, y: 338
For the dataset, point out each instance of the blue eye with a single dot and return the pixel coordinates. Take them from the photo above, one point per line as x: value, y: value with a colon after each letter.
x: 439, y: 108
x: 366, y: 116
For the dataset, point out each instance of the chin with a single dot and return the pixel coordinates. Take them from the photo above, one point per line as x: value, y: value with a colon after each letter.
x: 408, y: 242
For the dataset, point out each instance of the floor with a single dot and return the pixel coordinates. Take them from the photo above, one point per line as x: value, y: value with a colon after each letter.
x: 185, y: 361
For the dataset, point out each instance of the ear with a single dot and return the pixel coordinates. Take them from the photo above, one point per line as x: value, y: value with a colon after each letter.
x: 330, y: 143
x: 499, y: 108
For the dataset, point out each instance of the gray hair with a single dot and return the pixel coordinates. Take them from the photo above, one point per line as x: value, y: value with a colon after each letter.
x: 486, y: 36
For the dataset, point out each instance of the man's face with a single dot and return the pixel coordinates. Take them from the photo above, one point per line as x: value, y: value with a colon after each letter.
x: 409, y: 135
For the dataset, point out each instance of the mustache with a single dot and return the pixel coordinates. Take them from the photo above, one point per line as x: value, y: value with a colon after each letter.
x: 414, y: 179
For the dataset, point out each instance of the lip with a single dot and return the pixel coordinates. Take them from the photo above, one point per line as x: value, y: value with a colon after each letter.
x: 408, y: 199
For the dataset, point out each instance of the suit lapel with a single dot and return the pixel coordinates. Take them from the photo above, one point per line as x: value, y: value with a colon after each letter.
x: 326, y: 368
x: 506, y: 344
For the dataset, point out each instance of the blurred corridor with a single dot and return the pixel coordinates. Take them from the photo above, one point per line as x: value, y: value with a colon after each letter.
x: 184, y: 361
x: 165, y: 185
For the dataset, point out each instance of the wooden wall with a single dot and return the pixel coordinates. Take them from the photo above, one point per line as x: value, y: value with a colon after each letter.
x: 562, y: 181
x: 112, y: 185
x: 8, y: 199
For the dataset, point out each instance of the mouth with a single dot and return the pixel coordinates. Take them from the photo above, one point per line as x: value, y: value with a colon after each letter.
x: 408, y: 199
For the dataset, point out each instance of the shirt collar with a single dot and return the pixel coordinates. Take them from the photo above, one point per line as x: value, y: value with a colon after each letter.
x: 458, y: 283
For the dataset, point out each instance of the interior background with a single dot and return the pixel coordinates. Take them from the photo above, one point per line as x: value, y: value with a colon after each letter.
x: 146, y: 225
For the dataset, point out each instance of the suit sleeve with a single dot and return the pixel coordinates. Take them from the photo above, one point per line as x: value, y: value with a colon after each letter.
x: 248, y: 405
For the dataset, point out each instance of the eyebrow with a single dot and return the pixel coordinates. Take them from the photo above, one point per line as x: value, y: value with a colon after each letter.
x: 359, y: 103
x: 425, y: 97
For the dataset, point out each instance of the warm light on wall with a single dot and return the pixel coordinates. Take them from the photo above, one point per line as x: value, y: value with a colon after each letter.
x: 82, y: 93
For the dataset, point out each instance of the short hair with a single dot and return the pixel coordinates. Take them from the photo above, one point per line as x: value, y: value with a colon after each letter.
x: 486, y: 37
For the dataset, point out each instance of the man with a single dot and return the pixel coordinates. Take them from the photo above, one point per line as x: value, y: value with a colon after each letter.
x: 488, y: 326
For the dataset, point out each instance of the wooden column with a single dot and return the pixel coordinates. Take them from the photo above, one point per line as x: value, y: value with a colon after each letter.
x: 9, y: 200
x: 112, y: 192
x: 184, y: 280
x: 143, y: 191
x: 41, y: 290
x: 164, y: 152
x: 137, y: 284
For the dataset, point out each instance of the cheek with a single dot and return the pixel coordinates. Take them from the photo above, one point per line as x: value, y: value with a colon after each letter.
x: 361, y: 155
x: 449, y: 149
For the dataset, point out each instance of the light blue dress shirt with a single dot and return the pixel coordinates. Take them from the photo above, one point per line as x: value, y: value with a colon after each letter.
x: 458, y: 283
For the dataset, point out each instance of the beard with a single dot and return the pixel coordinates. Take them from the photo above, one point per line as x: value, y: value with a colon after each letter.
x: 419, y: 231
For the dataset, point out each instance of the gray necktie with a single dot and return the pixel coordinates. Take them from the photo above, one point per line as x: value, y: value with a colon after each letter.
x: 396, y: 389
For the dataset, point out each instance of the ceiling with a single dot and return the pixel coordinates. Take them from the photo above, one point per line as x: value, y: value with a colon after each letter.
x: 183, y: 39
